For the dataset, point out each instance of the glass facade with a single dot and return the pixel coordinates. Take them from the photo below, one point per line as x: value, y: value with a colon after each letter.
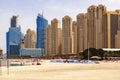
x: 7, y: 42
x: 14, y: 50
x: 14, y: 21
x: 13, y: 37
x: 33, y: 52
x: 41, y: 31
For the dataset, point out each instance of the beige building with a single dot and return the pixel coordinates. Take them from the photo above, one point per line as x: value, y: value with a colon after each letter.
x: 110, y: 28
x: 75, y: 39
x: 85, y: 31
x: 117, y: 36
x: 30, y: 39
x: 54, y: 38
x: 101, y: 9
x: 82, y: 31
x: 67, y: 43
x: 95, y: 17
x: 48, y: 40
x: 117, y: 40
x: 92, y: 26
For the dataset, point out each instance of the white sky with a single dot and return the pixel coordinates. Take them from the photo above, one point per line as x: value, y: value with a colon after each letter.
x: 28, y: 10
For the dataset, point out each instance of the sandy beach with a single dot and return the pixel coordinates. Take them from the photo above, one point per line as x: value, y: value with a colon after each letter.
x: 63, y: 71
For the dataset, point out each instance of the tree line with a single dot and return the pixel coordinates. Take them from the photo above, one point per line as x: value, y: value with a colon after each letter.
x: 99, y: 53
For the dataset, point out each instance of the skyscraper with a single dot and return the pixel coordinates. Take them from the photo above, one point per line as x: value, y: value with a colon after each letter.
x: 41, y: 33
x: 117, y: 39
x: 75, y: 36
x: 99, y: 12
x: 67, y: 45
x: 110, y: 28
x: 91, y: 13
x: 56, y: 36
x: 13, y: 37
x: 30, y: 39
x: 117, y: 36
x: 82, y: 31
x: 95, y: 17
x: 14, y: 21
x: 48, y: 40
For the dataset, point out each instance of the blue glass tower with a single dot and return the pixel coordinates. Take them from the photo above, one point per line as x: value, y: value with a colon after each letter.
x: 41, y: 31
x: 13, y: 40
x: 13, y: 37
x: 14, y: 21
x: 7, y: 42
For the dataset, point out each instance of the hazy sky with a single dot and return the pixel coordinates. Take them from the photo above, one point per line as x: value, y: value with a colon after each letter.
x: 29, y: 9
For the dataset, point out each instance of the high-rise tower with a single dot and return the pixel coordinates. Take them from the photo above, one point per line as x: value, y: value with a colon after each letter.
x: 101, y: 9
x: 41, y: 31
x: 110, y: 28
x: 117, y: 36
x: 54, y: 38
x: 95, y: 17
x: 13, y: 37
x: 91, y: 14
x: 14, y: 21
x: 67, y: 35
x: 82, y: 31
x: 75, y: 36
x: 48, y: 40
x: 30, y: 39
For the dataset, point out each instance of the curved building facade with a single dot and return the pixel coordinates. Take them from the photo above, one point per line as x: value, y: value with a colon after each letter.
x: 41, y: 31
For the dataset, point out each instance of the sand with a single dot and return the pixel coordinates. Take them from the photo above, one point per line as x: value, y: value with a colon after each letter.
x: 63, y: 71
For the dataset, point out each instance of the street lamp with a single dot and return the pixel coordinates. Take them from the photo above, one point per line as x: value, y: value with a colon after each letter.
x: 88, y: 52
x: 7, y: 65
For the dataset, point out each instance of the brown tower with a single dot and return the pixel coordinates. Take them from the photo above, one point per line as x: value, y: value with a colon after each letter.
x: 67, y: 35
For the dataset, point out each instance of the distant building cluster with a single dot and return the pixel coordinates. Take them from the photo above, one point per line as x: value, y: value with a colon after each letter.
x: 28, y: 44
x: 98, y: 28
